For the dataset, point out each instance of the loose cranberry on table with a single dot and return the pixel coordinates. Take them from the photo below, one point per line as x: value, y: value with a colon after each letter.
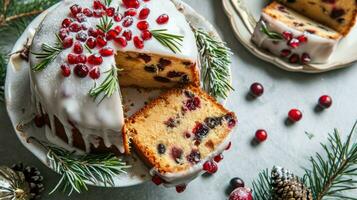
x: 218, y: 158
x: 295, y: 115
x: 325, y: 101
x: 210, y: 167
x: 257, y: 89
x: 236, y: 182
x: 241, y: 193
x: 261, y: 135
x: 181, y: 188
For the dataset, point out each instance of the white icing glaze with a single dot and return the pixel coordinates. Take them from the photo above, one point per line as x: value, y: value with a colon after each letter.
x: 319, y: 48
x: 68, y: 98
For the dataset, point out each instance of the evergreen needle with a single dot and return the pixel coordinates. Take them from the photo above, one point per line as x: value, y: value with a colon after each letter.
x: 271, y: 34
x: 171, y: 41
x: 105, y: 24
x: 108, y: 86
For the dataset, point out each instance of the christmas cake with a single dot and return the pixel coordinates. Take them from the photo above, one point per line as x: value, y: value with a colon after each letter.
x: 337, y: 14
x: 180, y: 142
x: 84, y: 51
x: 293, y: 36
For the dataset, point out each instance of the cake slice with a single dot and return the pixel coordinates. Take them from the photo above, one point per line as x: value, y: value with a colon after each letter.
x: 337, y: 14
x: 180, y: 131
x: 288, y: 34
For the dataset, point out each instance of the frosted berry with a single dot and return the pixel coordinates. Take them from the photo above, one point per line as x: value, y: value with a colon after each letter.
x: 106, y: 51
x: 87, y: 12
x: 81, y: 59
x: 305, y: 58
x: 92, y: 32
x: 101, y: 42
x: 98, y: 5
x: 75, y: 9
x: 294, y: 43
x: 77, y: 48
x: 95, y: 59
x: 180, y: 188
x: 81, y: 17
x: 157, y: 180
x: 121, y: 41
x: 71, y: 58
x: 128, y: 35
x: 287, y: 35
x: 98, y: 13
x: 91, y: 43
x: 111, y: 34
x: 110, y: 11
x: 66, y: 71
x: 302, y: 38
x: 285, y: 53
x: 241, y: 193
x: 128, y: 21
x: 261, y: 135
x: 325, y: 101
x: 118, y: 29
x: 210, y: 167
x: 138, y: 42
x: 67, y: 42
x: 81, y: 36
x: 162, y: 19
x: 294, y: 58
x: 236, y: 182
x: 75, y: 27
x: 142, y: 25
x: 130, y: 12
x: 218, y: 158
x: 131, y: 3
x: 66, y: 22
x: 144, y: 13
x: 295, y: 115
x: 81, y: 70
x: 257, y: 89
x: 63, y: 33
x: 94, y: 73
x: 117, y: 17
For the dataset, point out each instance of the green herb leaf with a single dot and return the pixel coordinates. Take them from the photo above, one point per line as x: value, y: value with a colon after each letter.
x: 108, y: 86
x: 108, y: 2
x: 105, y: 24
x: 271, y: 34
x: 171, y: 41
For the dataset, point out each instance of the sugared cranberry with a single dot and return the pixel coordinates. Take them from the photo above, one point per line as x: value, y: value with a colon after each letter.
x: 81, y: 70
x: 94, y: 73
x: 130, y: 12
x: 218, y: 158
x: 81, y: 59
x: 305, y: 58
x: 81, y: 17
x: 146, y: 35
x: 236, y: 182
x: 66, y: 23
x: 295, y: 115
x: 71, y: 58
x: 287, y: 35
x: 92, y: 32
x: 63, y: 33
x: 157, y: 180
x: 66, y: 71
x: 67, y: 42
x: 131, y: 3
x: 98, y: 5
x: 75, y: 27
x: 91, y: 43
x: 75, y: 9
x: 127, y: 34
x: 176, y: 154
x: 87, y: 12
x: 111, y: 34
x: 180, y: 188
x: 241, y: 193
x: 110, y: 11
x: 117, y: 17
x: 98, y: 13
x: 101, y: 42
x: 261, y: 135
x: 210, y: 167
x: 161, y: 148
x: 128, y: 21
x: 138, y: 42
x: 294, y: 58
x: 285, y: 53
x: 325, y: 101
x: 77, y: 48
x: 144, y: 13
x: 294, y: 43
x: 81, y: 36
x: 106, y: 51
x: 302, y: 38
x: 257, y: 89
x: 162, y: 19
x: 95, y: 59
x: 118, y: 29
x: 85, y: 26
x: 143, y: 25
x: 228, y: 146
x: 121, y: 41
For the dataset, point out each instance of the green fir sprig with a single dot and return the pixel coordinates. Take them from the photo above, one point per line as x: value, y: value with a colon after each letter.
x: 108, y: 2
x: 105, y: 24
x: 78, y: 170
x: 271, y: 34
x: 215, y: 61
x: 108, y: 86
x: 331, y: 174
x: 171, y: 41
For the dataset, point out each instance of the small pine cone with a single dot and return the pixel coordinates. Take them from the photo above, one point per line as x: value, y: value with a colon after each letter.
x: 33, y: 177
x: 287, y: 186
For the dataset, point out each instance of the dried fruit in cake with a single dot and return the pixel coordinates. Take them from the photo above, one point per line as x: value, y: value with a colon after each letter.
x: 339, y: 15
x: 183, y: 129
x: 292, y: 36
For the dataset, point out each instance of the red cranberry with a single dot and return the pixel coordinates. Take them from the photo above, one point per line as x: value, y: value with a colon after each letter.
x: 94, y: 73
x: 98, y: 13
x: 66, y: 23
x: 325, y: 101
x: 117, y: 17
x: 81, y: 70
x: 91, y: 43
x: 87, y: 12
x: 101, y: 42
x: 294, y: 58
x: 127, y: 34
x: 144, y: 13
x: 100, y: 32
x: 67, y: 42
x: 81, y: 59
x: 305, y: 58
x: 81, y: 17
x: 77, y: 48
x: 92, y: 32
x: 138, y: 42
x: 210, y: 167
x: 228, y: 146
x: 294, y: 43
x: 75, y: 27
x: 261, y: 135
x: 106, y: 51
x: 128, y: 21
x: 63, y: 33
x: 98, y: 5
x: 143, y: 25
x: 218, y: 158
x: 118, y: 29
x: 157, y: 180
x: 112, y: 34
x: 257, y: 89
x: 95, y: 59
x: 285, y: 53
x: 81, y: 36
x: 162, y: 19
x: 302, y: 38
x: 66, y: 71
x: 287, y: 35
x: 72, y: 59
x: 295, y: 115
x: 236, y: 182
x: 130, y: 12
x: 121, y: 41
x: 110, y: 11
x: 131, y: 3
x: 75, y: 9
x: 180, y: 188
x: 241, y: 193
x: 230, y: 120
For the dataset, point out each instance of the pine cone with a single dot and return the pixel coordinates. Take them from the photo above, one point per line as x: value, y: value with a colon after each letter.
x: 33, y: 177
x: 287, y: 186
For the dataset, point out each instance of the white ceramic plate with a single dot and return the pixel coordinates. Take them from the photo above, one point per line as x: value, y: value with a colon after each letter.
x: 17, y: 94
x: 243, y: 16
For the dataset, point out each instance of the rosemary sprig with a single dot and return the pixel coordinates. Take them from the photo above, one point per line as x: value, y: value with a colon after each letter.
x: 271, y: 34
x: 171, y: 41
x: 77, y: 170
x: 105, y: 24
x: 49, y: 53
x: 108, y: 86
x: 108, y: 2
x: 215, y: 61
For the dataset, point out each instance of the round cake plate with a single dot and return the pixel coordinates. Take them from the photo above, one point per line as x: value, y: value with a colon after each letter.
x: 243, y: 16
x: 20, y: 107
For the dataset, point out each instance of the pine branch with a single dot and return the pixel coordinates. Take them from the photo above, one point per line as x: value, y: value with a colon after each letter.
x: 49, y: 53
x: 171, y: 41
x: 215, y: 61
x: 108, y: 86
x: 108, y: 2
x: 271, y: 34
x: 105, y: 24
x: 77, y: 170
x: 262, y: 188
